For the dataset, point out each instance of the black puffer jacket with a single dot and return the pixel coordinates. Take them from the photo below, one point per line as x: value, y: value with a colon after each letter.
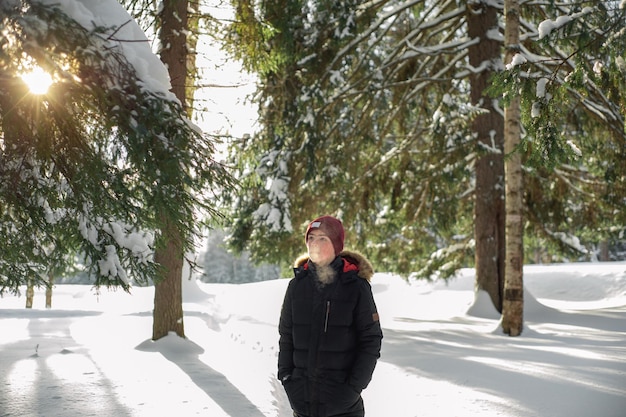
x: 330, y: 338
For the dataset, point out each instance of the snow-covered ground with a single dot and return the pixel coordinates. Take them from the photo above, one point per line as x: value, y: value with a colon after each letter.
x: 443, y: 352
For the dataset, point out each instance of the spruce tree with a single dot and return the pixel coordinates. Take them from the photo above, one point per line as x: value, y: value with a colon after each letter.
x: 99, y: 163
x: 366, y: 114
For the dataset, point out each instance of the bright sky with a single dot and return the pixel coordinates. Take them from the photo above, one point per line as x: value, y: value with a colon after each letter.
x: 225, y: 97
x: 37, y: 80
x: 228, y: 86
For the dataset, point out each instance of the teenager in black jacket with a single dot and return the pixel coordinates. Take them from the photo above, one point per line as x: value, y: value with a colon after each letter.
x: 330, y: 335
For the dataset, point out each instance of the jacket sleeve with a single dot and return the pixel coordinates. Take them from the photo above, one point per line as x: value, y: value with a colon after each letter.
x: 370, y: 337
x: 285, y: 342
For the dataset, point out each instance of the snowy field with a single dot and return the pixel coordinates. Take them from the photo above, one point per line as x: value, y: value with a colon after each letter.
x: 443, y: 353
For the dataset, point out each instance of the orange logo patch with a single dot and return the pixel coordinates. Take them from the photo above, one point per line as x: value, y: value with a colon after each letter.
x: 375, y: 317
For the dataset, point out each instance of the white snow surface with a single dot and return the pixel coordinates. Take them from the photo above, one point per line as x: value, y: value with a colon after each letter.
x: 443, y: 352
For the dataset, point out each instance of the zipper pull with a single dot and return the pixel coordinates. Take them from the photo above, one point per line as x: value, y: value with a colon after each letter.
x: 327, y: 314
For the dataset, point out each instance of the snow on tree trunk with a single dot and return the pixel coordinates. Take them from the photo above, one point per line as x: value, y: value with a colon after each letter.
x: 168, y: 301
x: 489, y: 205
x: 513, y: 302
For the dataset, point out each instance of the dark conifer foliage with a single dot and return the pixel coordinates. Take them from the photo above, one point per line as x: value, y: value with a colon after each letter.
x: 94, y: 165
x: 366, y: 113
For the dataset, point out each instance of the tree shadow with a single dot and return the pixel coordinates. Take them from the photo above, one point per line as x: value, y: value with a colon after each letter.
x: 37, y: 379
x: 187, y: 357
x: 581, y: 368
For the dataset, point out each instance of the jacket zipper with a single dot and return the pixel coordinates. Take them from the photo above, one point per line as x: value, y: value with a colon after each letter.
x: 327, y: 314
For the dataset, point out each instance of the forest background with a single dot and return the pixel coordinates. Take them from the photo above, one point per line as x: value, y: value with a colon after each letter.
x: 444, y: 134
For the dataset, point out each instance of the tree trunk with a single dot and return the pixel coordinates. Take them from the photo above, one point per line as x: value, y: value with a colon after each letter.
x: 513, y: 303
x: 168, y: 292
x: 168, y: 300
x: 605, y: 256
x: 30, y: 293
x: 489, y: 213
x: 49, y: 290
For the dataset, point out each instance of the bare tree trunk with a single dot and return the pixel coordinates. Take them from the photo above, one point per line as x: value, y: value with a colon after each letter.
x: 513, y: 303
x: 605, y: 256
x: 168, y: 300
x: 168, y: 292
x: 30, y: 293
x: 489, y: 195
x: 49, y: 290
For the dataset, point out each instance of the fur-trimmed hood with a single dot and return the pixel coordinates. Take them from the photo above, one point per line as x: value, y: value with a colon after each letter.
x: 357, y: 259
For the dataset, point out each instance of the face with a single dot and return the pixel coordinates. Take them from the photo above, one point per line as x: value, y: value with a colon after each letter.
x: 320, y: 247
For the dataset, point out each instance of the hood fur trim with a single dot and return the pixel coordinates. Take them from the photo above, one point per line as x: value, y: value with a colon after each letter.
x: 366, y: 270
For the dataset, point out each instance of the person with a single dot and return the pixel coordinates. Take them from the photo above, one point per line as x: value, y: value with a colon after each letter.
x: 330, y: 334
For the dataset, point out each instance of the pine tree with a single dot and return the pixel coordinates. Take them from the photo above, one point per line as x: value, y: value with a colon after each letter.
x: 97, y: 164
x: 367, y: 135
x: 489, y: 205
x: 367, y: 114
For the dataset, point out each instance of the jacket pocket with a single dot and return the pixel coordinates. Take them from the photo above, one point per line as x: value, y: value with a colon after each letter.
x: 340, y: 397
x: 296, y: 388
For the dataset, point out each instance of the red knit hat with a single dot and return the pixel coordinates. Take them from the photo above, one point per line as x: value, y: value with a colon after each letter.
x: 333, y: 229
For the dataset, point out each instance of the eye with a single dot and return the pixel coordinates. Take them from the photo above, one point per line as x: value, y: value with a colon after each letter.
x: 314, y: 238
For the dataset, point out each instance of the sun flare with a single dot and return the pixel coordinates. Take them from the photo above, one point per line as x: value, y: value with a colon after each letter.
x: 37, y: 80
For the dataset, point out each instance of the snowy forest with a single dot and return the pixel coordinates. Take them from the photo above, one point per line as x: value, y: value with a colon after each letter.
x: 444, y: 134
